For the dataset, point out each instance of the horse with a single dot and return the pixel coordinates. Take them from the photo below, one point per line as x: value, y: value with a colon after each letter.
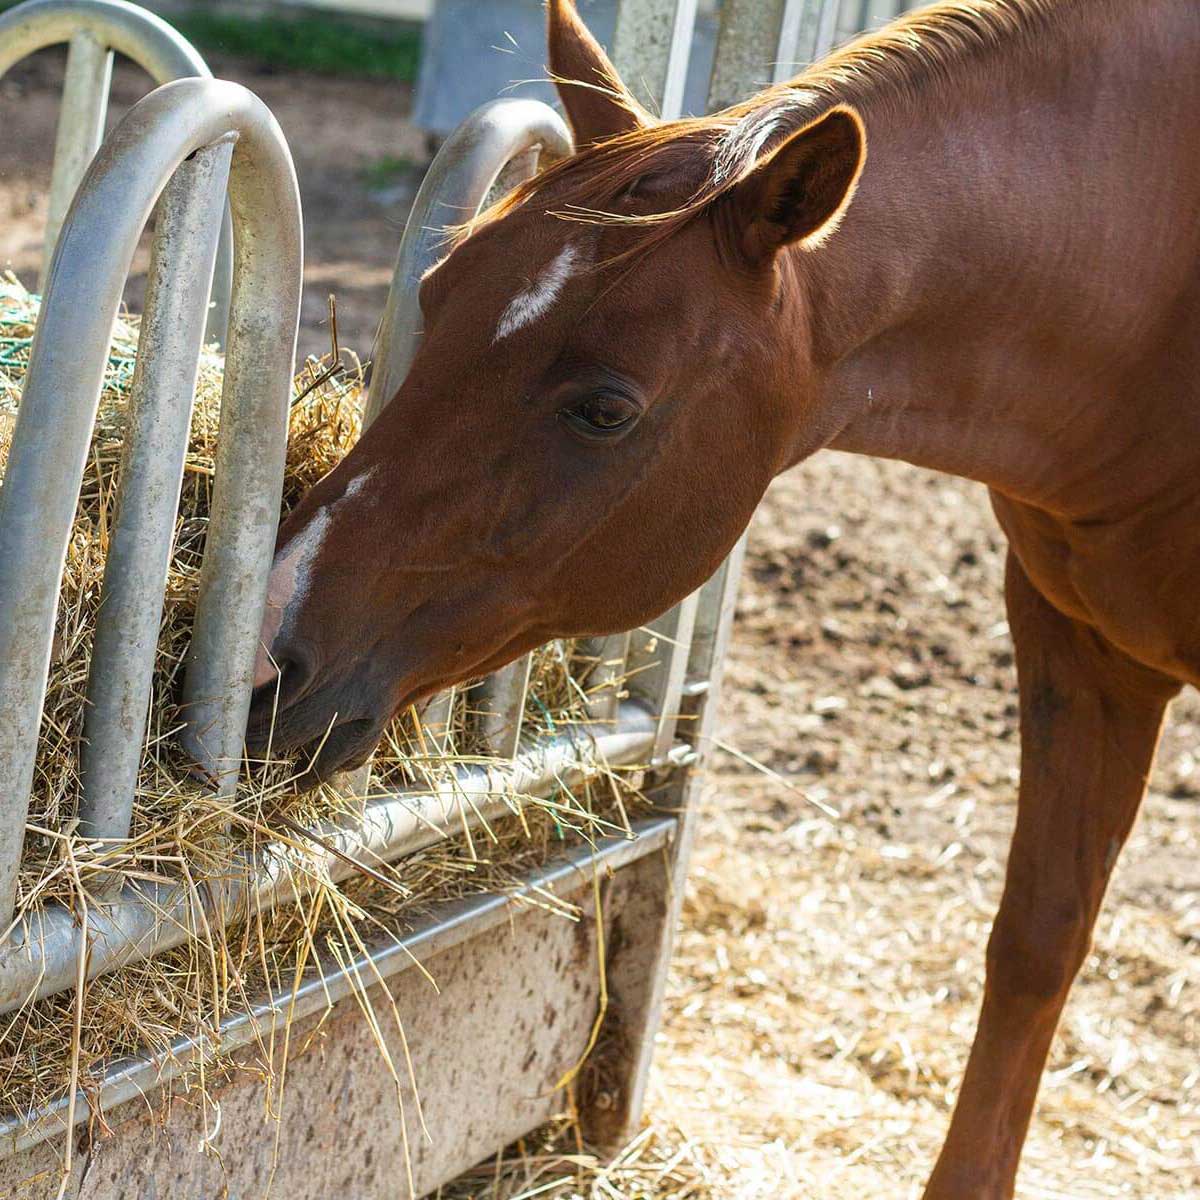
x: 970, y: 241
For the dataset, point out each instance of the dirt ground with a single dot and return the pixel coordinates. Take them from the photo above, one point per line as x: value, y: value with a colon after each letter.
x: 829, y: 971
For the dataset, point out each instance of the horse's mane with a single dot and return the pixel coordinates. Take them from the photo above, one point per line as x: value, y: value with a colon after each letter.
x: 924, y: 49
x: 929, y: 45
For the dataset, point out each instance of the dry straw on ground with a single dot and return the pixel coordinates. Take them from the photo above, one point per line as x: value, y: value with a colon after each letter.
x: 181, y: 833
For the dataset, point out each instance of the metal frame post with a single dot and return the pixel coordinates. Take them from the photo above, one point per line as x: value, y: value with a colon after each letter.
x: 80, y: 130
x: 63, y: 383
x: 657, y: 668
x: 93, y: 29
x: 684, y: 679
x: 651, y: 47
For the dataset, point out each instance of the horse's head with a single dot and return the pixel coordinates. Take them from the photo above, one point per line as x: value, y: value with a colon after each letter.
x: 596, y: 408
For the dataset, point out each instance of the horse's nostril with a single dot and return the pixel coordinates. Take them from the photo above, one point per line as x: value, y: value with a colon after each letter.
x: 297, y: 668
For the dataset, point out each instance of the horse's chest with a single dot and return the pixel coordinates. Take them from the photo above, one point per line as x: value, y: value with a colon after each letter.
x: 1138, y: 584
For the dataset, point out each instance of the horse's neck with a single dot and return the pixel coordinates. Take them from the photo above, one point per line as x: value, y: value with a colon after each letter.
x: 1014, y: 256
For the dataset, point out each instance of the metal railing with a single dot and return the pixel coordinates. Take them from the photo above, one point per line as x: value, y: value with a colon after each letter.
x: 92, y: 30
x: 137, y: 1077
x: 232, y: 139
x: 228, y: 135
x: 38, y: 498
x: 42, y: 957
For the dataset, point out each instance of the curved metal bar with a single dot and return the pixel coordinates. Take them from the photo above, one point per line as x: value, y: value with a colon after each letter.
x: 457, y: 184
x: 41, y: 956
x: 66, y: 370
x: 498, y: 146
x: 155, y: 447
x: 93, y: 29
x: 164, y: 52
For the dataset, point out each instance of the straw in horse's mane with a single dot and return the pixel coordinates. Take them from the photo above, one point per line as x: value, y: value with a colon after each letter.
x: 927, y: 48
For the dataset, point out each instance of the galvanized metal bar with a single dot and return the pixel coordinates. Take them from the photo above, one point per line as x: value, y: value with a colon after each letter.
x: 94, y: 28
x: 759, y: 43
x: 827, y: 28
x: 264, y: 315
x: 62, y: 389
x: 650, y: 50
x: 80, y: 130
x: 450, y: 925
x: 606, y: 679
x: 188, y: 223
x: 41, y: 956
x: 710, y: 639
x: 163, y: 52
x: 457, y: 183
x: 217, y: 321
x: 638, y: 987
x: 500, y: 700
x: 657, y: 669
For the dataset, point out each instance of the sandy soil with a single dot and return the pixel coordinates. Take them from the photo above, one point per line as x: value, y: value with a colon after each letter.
x: 829, y: 971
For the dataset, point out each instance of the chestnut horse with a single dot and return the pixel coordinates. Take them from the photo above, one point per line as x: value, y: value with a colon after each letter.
x: 618, y: 360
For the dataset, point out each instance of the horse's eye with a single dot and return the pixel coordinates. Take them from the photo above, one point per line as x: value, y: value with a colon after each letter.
x: 601, y: 415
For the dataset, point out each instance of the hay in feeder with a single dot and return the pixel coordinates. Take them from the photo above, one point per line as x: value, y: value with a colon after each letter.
x: 181, y: 833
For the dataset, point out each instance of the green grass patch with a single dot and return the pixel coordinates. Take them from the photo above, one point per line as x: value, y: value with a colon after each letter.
x: 322, y: 44
x: 384, y: 171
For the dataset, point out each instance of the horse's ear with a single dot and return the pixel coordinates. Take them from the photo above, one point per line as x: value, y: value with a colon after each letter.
x: 800, y: 191
x: 598, y: 104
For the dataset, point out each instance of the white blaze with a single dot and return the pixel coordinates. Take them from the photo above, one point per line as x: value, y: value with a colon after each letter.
x: 539, y: 297
x: 291, y: 575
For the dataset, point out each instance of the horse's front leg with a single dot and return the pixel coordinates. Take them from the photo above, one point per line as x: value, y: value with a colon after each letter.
x: 1090, y: 719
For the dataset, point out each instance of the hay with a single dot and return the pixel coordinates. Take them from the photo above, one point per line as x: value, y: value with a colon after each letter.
x: 180, y: 833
